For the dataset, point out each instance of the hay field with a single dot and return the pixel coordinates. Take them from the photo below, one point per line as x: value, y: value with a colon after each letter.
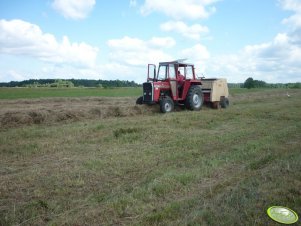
x: 105, y: 161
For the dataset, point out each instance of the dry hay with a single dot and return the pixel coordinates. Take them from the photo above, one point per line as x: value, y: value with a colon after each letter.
x: 14, y: 113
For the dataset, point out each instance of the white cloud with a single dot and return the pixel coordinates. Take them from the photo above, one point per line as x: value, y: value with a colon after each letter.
x: 295, y: 6
x: 196, y: 53
x: 278, y: 60
x: 275, y: 61
x: 11, y: 75
x: 165, y: 42
x: 115, y: 70
x: 180, y: 9
x: 137, y: 52
x: 133, y: 3
x: 281, y: 51
x: 19, y: 37
x: 74, y: 9
x: 68, y: 72
x: 193, y: 32
x: 129, y: 57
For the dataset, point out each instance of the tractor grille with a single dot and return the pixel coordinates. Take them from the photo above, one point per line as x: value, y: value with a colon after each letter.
x: 147, y: 92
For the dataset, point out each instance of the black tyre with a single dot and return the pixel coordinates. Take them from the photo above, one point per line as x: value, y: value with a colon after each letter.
x: 224, y: 102
x: 166, y: 105
x: 139, y: 100
x: 194, y: 98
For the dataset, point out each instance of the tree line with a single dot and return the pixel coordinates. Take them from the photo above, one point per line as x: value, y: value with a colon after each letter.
x: 253, y: 83
x: 70, y: 83
x: 249, y: 83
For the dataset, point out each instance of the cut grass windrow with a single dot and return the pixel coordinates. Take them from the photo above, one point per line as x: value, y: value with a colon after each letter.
x: 213, y: 167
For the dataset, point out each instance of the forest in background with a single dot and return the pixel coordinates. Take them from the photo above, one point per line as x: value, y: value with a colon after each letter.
x: 69, y: 83
x: 249, y: 83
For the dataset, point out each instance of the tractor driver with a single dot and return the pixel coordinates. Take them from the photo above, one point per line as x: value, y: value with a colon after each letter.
x: 180, y: 80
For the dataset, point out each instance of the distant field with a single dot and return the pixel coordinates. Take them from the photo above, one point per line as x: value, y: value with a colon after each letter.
x: 19, y: 93
x: 105, y: 161
x: 16, y: 93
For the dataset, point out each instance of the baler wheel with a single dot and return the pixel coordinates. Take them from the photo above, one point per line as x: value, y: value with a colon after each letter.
x: 224, y: 102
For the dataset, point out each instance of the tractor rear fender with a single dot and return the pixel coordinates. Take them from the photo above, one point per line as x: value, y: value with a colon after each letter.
x: 187, y: 85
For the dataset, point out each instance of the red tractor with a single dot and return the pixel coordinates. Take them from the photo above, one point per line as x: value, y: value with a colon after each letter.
x: 174, y: 83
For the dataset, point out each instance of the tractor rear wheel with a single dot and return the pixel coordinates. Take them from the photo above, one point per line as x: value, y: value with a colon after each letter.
x: 166, y: 105
x: 194, y: 98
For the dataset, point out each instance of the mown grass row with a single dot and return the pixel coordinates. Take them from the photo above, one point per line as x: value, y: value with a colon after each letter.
x: 213, y: 167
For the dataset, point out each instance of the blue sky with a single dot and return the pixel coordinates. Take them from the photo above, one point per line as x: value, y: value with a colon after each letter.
x: 102, y: 39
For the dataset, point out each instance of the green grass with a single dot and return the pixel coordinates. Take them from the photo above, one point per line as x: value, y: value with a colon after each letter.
x: 16, y: 93
x: 213, y: 167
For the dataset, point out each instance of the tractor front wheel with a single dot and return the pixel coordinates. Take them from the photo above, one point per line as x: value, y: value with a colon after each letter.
x: 139, y: 100
x: 166, y: 105
x: 194, y: 99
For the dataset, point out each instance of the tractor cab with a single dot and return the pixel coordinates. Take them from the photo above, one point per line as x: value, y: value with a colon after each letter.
x: 171, y: 84
x: 175, y: 75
